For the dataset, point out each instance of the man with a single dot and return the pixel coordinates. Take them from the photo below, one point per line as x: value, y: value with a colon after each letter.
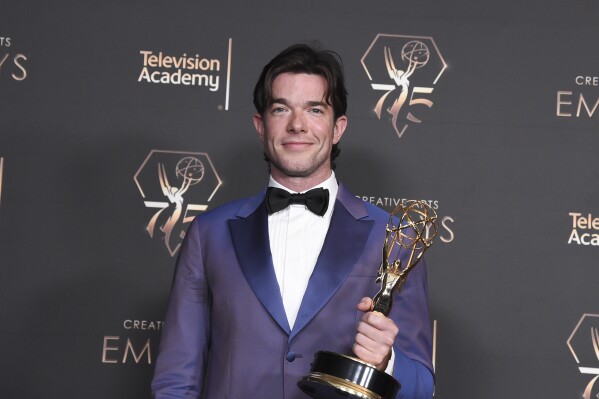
x: 260, y: 286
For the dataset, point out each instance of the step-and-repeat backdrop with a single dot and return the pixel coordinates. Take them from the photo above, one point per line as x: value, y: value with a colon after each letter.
x: 107, y: 107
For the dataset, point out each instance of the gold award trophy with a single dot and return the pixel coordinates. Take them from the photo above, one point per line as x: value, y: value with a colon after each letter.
x: 412, y: 226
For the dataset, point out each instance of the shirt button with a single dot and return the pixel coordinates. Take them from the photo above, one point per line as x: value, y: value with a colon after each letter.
x: 290, y: 356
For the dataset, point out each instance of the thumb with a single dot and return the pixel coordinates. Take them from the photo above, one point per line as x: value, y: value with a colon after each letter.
x: 365, y: 304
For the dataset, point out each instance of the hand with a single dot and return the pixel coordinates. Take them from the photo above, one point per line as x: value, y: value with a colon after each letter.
x: 375, y: 336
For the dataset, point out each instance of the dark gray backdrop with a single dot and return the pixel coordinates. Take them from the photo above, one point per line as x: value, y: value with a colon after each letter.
x: 501, y: 153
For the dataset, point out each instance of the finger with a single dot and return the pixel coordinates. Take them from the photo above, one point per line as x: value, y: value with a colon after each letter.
x: 376, y: 337
x: 380, y: 322
x: 370, y: 351
x: 363, y: 348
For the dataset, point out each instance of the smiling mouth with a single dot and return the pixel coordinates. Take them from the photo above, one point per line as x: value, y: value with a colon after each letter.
x: 296, y: 144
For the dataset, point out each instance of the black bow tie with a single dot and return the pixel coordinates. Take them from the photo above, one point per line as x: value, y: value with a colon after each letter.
x: 316, y: 200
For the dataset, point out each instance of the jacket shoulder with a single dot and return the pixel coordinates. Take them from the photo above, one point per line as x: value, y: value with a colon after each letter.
x: 237, y: 208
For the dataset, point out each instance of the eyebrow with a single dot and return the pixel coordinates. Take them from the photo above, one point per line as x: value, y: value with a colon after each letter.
x: 308, y: 103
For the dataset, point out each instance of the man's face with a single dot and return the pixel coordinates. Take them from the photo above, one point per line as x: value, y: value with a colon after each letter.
x: 298, y: 129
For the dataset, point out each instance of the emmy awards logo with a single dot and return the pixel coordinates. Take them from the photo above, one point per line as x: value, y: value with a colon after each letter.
x: 585, y: 350
x: 414, y: 54
x: 190, y: 170
x: 403, y: 56
x: 410, y: 231
x: 186, y: 181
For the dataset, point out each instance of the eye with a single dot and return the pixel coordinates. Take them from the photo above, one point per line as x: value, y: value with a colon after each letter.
x: 316, y: 110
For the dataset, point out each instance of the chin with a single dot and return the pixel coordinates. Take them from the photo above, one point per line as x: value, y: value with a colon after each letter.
x: 296, y: 173
x: 299, y: 169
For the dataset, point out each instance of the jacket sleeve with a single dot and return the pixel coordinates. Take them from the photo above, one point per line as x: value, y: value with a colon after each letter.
x: 185, y: 338
x: 413, y: 345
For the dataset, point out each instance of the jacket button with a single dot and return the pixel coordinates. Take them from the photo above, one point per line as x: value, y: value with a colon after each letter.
x: 290, y: 356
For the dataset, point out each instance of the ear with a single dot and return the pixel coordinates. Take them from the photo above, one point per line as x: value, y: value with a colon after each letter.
x: 339, y: 128
x: 259, y: 125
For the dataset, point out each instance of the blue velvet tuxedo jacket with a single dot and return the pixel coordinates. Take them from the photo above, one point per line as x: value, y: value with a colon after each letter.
x: 226, y: 334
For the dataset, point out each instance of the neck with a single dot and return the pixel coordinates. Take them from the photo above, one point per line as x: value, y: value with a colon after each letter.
x: 300, y: 184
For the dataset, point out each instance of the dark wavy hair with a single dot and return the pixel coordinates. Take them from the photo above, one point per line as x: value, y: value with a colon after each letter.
x: 304, y: 58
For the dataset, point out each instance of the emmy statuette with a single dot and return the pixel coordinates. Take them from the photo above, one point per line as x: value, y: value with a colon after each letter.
x: 412, y: 226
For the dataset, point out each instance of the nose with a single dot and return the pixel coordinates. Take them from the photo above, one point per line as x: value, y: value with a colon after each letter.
x: 296, y: 124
